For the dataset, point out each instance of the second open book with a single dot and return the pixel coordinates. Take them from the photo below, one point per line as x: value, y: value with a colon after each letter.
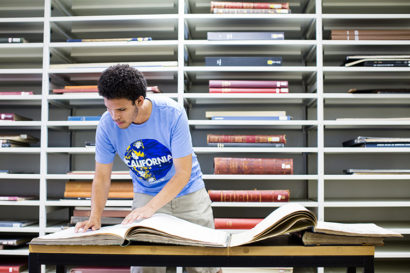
x: 167, y: 229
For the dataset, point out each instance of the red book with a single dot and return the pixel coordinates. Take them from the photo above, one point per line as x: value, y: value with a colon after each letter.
x: 92, y: 89
x: 229, y: 165
x: 250, y: 90
x: 249, y: 195
x: 248, y: 5
x: 211, y: 138
x: 247, y: 84
x: 61, y: 91
x: 12, y: 116
x: 236, y: 223
x: 12, y: 268
x: 20, y: 93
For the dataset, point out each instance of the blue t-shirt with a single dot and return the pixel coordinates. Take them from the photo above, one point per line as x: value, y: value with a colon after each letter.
x: 148, y: 149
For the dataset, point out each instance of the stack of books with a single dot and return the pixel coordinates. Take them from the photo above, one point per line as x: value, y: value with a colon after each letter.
x: 370, y: 34
x: 252, y: 87
x: 219, y: 7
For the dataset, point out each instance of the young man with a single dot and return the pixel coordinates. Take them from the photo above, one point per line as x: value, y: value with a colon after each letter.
x: 151, y: 135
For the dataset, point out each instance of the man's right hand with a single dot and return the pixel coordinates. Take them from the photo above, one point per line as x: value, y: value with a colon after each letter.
x: 89, y: 224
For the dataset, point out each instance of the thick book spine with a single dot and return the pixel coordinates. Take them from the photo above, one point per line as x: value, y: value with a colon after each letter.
x: 250, y: 90
x: 243, y: 61
x: 365, y: 32
x: 62, y: 91
x: 248, y: 5
x: 106, y: 213
x: 386, y: 63
x: 246, y: 84
x: 271, y: 145
x: 211, y: 138
x: 18, y: 93
x: 249, y: 195
x: 222, y: 36
x: 236, y: 223
x: 84, y: 118
x: 12, y: 40
x: 251, y: 118
x: 111, y: 195
x: 137, y: 39
x: 77, y: 186
x: 229, y: 165
x: 251, y: 11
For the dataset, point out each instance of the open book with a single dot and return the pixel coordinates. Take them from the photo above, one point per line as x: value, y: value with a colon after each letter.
x: 167, y: 229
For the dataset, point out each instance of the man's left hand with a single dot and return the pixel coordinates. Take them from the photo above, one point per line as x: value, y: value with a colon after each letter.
x: 138, y: 214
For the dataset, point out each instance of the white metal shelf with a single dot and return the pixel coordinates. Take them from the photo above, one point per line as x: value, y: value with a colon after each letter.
x: 258, y: 177
x: 28, y: 229
x: 288, y: 150
x: 15, y: 252
x: 365, y: 150
x: 367, y: 204
x: 73, y: 203
x: 12, y: 123
x: 82, y: 176
x: 365, y: 99
x: 20, y: 150
x: 288, y: 124
x: 97, y: 18
x: 379, y: 16
x: 309, y: 204
x: 393, y: 251
x: 33, y: 203
x: 365, y: 177
x: 19, y: 176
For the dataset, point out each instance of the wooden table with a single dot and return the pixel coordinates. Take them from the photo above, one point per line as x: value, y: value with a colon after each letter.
x: 244, y: 256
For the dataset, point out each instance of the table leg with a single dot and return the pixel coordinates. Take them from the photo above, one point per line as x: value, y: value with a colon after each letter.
x: 368, y: 265
x: 351, y: 270
x: 60, y: 268
x: 33, y: 263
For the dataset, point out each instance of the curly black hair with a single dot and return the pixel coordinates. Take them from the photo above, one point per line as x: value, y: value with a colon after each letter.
x: 122, y: 81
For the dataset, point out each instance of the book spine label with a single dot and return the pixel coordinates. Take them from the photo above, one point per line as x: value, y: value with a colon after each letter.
x: 229, y: 165
x: 236, y: 223
x: 251, y: 11
x: 248, y: 5
x: 247, y: 84
x: 218, y: 36
x: 243, y: 61
x: 211, y: 138
x: 249, y: 196
x: 250, y: 90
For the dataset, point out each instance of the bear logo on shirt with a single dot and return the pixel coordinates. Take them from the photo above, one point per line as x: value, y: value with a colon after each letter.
x: 148, y: 159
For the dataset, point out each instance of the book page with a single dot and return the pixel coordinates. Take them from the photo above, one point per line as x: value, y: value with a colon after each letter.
x: 367, y: 229
x: 176, y: 228
x: 285, y: 217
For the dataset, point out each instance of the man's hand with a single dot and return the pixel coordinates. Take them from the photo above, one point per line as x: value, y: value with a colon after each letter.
x: 138, y: 214
x: 85, y: 225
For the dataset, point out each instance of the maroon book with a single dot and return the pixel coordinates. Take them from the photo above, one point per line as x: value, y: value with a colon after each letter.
x: 249, y: 90
x: 249, y: 195
x: 211, y: 138
x: 229, y: 165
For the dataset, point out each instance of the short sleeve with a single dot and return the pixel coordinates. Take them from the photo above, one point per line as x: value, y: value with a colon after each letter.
x: 104, y: 150
x: 181, y: 144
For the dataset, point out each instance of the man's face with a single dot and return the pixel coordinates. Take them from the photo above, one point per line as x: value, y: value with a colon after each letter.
x: 123, y: 112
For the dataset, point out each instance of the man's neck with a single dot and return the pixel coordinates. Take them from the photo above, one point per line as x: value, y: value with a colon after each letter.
x: 144, y: 112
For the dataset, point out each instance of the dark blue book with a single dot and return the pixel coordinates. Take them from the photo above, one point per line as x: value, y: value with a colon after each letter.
x: 228, y: 36
x: 84, y: 118
x: 243, y: 61
x: 386, y: 145
x: 251, y: 118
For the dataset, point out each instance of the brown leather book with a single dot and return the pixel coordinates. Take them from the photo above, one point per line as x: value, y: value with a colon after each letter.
x: 371, y: 37
x: 108, y: 212
x: 82, y: 189
x: 211, y: 138
x: 236, y: 223
x: 249, y: 195
x: 229, y: 165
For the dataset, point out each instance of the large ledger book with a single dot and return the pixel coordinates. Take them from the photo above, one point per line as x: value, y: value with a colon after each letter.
x: 137, y: 39
x: 377, y: 60
x: 250, y: 90
x: 167, y: 229
x: 104, y: 65
x: 249, y: 195
x: 82, y: 189
x: 16, y: 93
x: 377, y: 141
x: 253, y: 139
x: 223, y: 36
x: 93, y: 89
x: 313, y: 238
x: 370, y: 34
x: 229, y: 165
x: 13, y: 40
x: 380, y: 91
x: 89, y: 269
x: 251, y: 11
x: 248, y: 5
x: 211, y: 114
x: 247, y: 84
x: 13, y: 117
x: 243, y: 61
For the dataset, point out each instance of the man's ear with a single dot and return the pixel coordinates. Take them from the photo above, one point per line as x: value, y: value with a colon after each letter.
x: 139, y: 101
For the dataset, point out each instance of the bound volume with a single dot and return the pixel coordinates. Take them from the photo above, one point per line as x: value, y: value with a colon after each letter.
x: 249, y: 196
x: 243, y: 61
x: 229, y: 165
x: 211, y: 138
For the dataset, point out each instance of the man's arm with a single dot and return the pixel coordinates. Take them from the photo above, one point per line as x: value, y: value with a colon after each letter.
x: 99, y: 194
x: 183, y: 168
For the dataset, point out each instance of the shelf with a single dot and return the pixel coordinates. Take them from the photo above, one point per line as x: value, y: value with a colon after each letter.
x: 394, y: 251
x: 289, y: 125
x: 287, y: 150
x: 73, y: 203
x: 360, y: 124
x: 73, y: 125
x: 206, y: 98
x: 367, y: 204
x: 83, y: 177
x: 309, y: 204
x: 15, y: 252
x: 366, y: 177
x: 254, y: 177
x: 19, y: 203
x: 20, y: 124
x: 19, y: 176
x: 366, y: 99
x: 28, y: 229
x: 20, y: 150
x: 365, y: 150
